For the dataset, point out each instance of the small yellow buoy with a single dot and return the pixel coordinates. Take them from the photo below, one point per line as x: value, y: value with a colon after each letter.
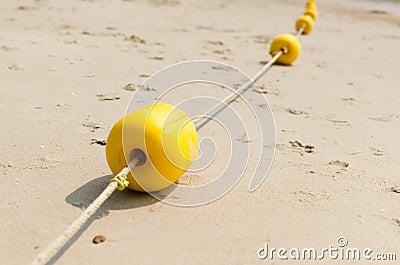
x: 312, y: 12
x: 311, y: 4
x: 306, y: 22
x: 289, y: 45
x: 161, y: 132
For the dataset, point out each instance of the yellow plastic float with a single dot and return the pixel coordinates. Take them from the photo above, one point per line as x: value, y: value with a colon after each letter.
x: 312, y: 12
x: 165, y: 136
x: 306, y: 22
x: 289, y: 45
x: 311, y: 4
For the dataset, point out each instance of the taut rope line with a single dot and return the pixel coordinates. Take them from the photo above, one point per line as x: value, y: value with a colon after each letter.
x: 202, y: 120
x: 206, y: 117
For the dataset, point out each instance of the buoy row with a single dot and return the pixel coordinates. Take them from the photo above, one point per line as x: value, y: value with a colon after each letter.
x: 150, y: 148
x: 287, y: 44
x: 165, y: 135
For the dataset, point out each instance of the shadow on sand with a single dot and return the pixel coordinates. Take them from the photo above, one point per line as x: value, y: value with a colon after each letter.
x: 84, y: 196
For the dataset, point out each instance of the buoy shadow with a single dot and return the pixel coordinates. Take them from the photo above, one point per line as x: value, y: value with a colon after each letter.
x: 84, y: 196
x: 127, y: 199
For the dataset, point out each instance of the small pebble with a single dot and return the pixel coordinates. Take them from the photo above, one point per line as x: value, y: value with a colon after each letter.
x: 99, y: 239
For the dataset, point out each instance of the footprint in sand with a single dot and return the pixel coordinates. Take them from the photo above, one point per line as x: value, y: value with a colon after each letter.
x: 308, y: 148
x: 8, y: 48
x: 387, y: 118
x: 109, y: 97
x: 297, y: 112
x: 339, y: 163
x: 135, y: 39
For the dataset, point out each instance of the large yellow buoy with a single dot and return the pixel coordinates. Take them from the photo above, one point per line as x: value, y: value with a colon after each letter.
x: 306, y: 22
x: 167, y: 138
x: 289, y: 45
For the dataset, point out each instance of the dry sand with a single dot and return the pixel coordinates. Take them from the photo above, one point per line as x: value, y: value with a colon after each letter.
x: 340, y: 96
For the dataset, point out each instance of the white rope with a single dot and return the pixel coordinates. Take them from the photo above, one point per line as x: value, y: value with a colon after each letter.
x: 63, y: 239
x: 301, y: 30
x: 206, y: 117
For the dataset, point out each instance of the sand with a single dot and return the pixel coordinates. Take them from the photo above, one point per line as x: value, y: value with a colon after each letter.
x: 59, y: 59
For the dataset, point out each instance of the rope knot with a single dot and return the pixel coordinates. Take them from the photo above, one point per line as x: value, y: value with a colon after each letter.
x: 121, y: 181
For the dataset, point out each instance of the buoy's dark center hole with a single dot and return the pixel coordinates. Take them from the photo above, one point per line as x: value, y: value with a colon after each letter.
x: 138, y: 154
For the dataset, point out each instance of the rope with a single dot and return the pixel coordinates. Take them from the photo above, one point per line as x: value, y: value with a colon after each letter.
x: 206, y: 117
x: 301, y: 30
x: 118, y: 182
x: 202, y: 120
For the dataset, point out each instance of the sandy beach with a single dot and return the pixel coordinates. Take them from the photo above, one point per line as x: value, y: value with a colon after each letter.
x: 66, y: 73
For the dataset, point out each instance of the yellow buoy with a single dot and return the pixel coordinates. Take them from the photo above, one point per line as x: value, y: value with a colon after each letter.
x: 312, y: 12
x: 306, y: 22
x: 311, y: 4
x: 289, y: 45
x: 167, y: 138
